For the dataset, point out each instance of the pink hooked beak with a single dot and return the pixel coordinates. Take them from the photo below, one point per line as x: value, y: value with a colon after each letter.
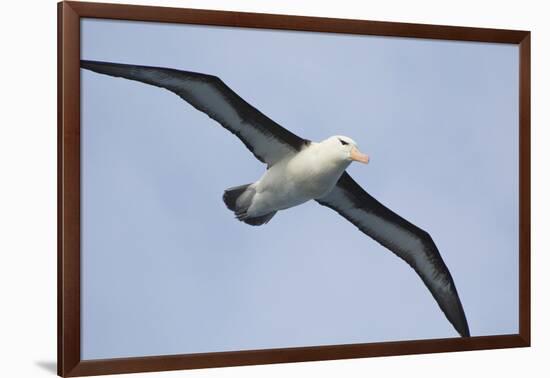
x: 356, y: 155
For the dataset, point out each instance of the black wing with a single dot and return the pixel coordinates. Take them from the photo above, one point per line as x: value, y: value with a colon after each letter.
x: 403, y: 238
x: 266, y: 139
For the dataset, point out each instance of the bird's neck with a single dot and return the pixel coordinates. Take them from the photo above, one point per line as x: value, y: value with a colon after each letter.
x: 328, y: 164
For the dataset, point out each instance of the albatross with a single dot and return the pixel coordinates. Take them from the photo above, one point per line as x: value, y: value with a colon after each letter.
x: 299, y: 170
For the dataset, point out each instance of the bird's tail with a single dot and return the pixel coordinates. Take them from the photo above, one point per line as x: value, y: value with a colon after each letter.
x: 238, y: 199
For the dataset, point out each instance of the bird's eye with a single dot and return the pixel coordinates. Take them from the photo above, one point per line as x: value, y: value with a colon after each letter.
x: 344, y: 143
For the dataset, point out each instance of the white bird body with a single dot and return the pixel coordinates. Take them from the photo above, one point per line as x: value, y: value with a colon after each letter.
x: 309, y: 174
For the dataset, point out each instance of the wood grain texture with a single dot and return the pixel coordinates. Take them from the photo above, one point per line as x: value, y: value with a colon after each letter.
x: 272, y: 21
x: 69, y: 360
x: 525, y: 189
x: 68, y: 190
x: 270, y: 356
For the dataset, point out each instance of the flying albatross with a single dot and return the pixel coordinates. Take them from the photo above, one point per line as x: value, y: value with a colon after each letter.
x: 299, y: 170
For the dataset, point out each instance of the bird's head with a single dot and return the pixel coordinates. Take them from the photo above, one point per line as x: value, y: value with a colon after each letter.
x: 345, y: 149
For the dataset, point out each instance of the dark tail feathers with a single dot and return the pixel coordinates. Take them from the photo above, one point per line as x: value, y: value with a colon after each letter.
x: 238, y: 199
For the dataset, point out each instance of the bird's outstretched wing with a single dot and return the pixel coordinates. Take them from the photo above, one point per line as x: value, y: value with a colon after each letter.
x: 266, y: 139
x: 403, y: 238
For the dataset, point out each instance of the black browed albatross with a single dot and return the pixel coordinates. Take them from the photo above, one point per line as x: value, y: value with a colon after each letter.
x: 299, y: 170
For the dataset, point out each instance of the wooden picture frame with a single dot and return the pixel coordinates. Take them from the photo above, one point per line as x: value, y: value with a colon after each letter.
x: 69, y: 185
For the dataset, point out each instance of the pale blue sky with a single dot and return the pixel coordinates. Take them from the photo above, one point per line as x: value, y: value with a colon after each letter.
x: 167, y: 270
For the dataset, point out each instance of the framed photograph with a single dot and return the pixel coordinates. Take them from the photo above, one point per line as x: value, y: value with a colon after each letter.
x: 240, y: 188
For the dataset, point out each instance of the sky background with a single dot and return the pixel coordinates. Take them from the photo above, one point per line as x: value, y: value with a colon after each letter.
x: 167, y: 270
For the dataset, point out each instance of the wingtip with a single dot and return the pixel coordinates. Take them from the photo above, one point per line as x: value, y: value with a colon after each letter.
x: 465, y: 332
x: 90, y: 64
x: 460, y: 323
x: 84, y: 62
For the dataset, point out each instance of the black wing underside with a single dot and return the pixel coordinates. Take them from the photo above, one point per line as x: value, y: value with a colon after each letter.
x: 407, y: 241
x: 267, y: 140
